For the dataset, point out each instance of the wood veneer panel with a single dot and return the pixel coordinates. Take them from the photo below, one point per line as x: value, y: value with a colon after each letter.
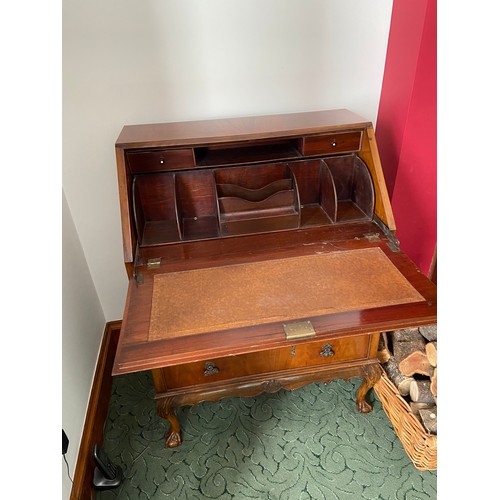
x: 219, y: 298
x: 261, y: 244
x: 124, y: 188
x: 369, y: 154
x: 231, y: 129
x: 354, y: 348
x: 136, y: 352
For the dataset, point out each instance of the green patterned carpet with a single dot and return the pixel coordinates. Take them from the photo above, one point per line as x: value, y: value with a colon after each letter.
x: 306, y: 444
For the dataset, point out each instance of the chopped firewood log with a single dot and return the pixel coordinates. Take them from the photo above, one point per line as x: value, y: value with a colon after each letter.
x: 405, y: 335
x: 431, y: 351
x: 401, y: 348
x: 433, y: 387
x: 429, y: 419
x: 411, y: 357
x: 402, y: 382
x: 420, y: 392
x: 416, y: 407
x: 383, y: 353
x: 429, y: 332
x: 416, y: 362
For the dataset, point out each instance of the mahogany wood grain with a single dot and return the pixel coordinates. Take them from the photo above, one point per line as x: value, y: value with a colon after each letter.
x: 316, y: 188
x: 214, y: 250
x: 137, y: 353
x: 254, y: 176
x: 328, y: 144
x: 274, y: 360
x: 371, y: 375
x: 224, y: 190
x: 236, y: 129
x: 369, y: 154
x: 305, y: 184
x: 155, y: 208
x: 160, y: 160
x: 219, y: 156
x: 124, y: 188
x: 253, y: 385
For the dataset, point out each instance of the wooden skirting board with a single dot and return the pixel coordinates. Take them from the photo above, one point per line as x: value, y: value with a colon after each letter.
x: 97, y: 411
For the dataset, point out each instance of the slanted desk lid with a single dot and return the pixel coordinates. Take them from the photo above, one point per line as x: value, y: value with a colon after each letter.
x: 194, y: 314
x: 206, y: 300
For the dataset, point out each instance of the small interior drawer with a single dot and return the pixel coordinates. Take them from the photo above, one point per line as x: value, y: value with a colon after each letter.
x: 160, y: 160
x: 326, y: 144
x: 285, y: 358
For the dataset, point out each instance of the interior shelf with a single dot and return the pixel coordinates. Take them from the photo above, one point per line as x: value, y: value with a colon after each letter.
x: 160, y: 232
x: 210, y: 156
x: 253, y: 198
x: 354, y: 187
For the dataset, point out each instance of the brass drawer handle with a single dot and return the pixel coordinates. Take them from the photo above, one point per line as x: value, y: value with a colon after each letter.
x: 210, y: 369
x: 327, y: 351
x: 334, y: 143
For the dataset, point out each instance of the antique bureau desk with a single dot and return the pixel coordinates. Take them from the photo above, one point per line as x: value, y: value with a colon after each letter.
x: 261, y: 254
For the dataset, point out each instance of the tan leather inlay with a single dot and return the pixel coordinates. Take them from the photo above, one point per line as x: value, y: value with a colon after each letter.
x: 219, y: 298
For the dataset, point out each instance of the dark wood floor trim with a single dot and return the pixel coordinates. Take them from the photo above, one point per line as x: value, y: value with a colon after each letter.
x: 97, y: 410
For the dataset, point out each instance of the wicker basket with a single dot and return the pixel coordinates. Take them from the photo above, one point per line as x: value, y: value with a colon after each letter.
x: 420, y: 446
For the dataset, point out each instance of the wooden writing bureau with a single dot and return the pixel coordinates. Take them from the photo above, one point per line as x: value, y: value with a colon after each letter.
x: 261, y: 255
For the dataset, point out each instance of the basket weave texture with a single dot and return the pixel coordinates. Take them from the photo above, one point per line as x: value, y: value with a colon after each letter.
x: 419, y: 445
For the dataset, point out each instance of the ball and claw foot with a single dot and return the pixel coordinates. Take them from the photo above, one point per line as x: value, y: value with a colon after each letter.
x: 363, y: 406
x: 173, y: 439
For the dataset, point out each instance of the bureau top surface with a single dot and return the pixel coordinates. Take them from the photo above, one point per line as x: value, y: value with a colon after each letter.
x: 234, y: 129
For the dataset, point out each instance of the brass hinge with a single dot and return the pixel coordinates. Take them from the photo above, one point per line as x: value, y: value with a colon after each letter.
x: 391, y: 242
x: 153, y: 263
x: 150, y: 264
x: 299, y: 330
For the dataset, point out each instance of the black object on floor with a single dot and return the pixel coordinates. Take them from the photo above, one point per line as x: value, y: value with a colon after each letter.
x: 107, y: 475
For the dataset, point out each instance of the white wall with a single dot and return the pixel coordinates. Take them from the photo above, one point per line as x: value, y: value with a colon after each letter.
x: 144, y: 61
x: 82, y: 327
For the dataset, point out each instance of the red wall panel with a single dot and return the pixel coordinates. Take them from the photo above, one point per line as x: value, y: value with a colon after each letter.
x: 406, y: 127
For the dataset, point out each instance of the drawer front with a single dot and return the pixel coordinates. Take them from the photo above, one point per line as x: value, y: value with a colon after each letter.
x: 158, y: 161
x: 285, y: 358
x: 332, y: 143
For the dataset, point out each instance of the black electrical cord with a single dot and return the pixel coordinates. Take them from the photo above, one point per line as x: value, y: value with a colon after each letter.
x: 67, y: 467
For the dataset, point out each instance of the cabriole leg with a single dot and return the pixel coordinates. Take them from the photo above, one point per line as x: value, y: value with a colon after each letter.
x: 371, y: 374
x: 165, y: 409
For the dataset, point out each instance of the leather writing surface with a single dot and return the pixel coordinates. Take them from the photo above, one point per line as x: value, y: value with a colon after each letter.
x: 213, y: 299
